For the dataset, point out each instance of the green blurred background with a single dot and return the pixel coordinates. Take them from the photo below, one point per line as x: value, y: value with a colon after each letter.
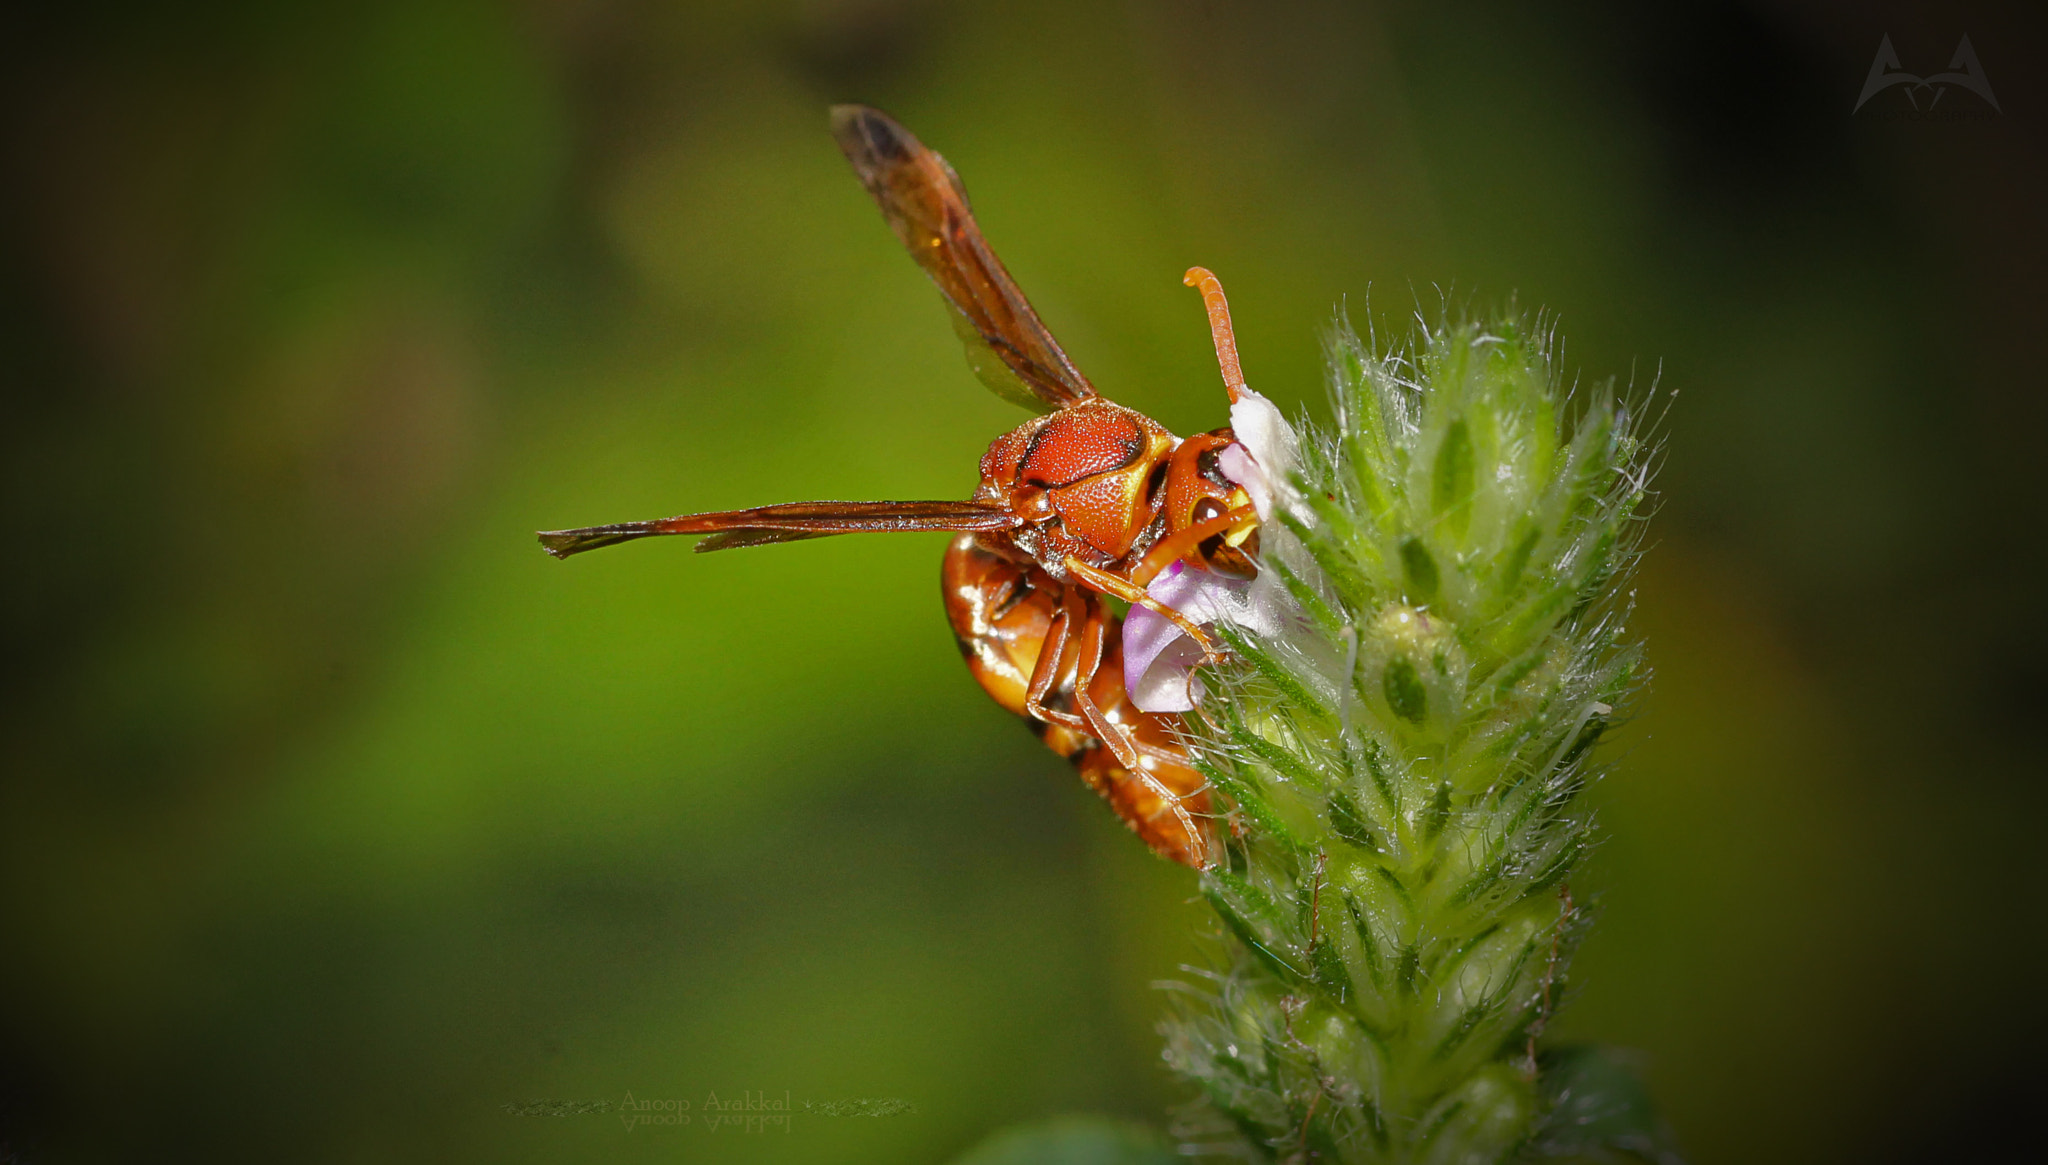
x: 336, y: 816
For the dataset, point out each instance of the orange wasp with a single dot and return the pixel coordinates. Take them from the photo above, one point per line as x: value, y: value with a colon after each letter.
x: 1091, y: 499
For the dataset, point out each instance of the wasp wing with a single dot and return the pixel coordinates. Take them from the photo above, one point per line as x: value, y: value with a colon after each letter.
x: 1008, y: 346
x: 790, y: 522
x: 735, y: 539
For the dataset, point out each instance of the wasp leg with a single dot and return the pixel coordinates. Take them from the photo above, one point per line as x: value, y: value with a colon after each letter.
x: 1124, y: 744
x: 1130, y: 592
x: 1146, y: 806
x: 1118, y: 737
x: 1046, y: 671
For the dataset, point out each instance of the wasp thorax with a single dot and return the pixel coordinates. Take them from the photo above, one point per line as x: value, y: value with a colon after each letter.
x: 1088, y: 440
x: 1089, y: 468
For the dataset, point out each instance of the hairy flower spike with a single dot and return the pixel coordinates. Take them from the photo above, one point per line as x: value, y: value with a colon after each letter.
x: 1401, y: 749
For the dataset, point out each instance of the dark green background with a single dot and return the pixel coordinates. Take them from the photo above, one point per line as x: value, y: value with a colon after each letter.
x: 336, y: 816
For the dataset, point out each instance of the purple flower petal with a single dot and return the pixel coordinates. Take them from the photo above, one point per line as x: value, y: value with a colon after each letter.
x: 1240, y: 466
x: 1159, y: 657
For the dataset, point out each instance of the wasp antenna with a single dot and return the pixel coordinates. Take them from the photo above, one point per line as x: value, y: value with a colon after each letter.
x: 1219, y: 328
x: 563, y: 543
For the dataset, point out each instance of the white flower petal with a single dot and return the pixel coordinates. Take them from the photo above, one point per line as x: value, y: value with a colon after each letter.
x: 1272, y: 444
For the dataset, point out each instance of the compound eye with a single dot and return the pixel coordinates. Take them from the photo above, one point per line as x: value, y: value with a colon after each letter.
x: 1210, y: 465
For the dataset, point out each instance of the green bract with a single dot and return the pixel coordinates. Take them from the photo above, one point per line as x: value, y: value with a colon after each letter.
x: 1401, y: 762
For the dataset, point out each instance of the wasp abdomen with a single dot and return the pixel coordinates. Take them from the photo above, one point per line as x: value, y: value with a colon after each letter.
x: 1003, y: 612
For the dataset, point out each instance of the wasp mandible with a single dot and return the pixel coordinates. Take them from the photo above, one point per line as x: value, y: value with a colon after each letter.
x: 1089, y: 499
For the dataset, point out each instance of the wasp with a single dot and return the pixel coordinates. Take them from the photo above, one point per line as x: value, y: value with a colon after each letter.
x: 1087, y: 502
